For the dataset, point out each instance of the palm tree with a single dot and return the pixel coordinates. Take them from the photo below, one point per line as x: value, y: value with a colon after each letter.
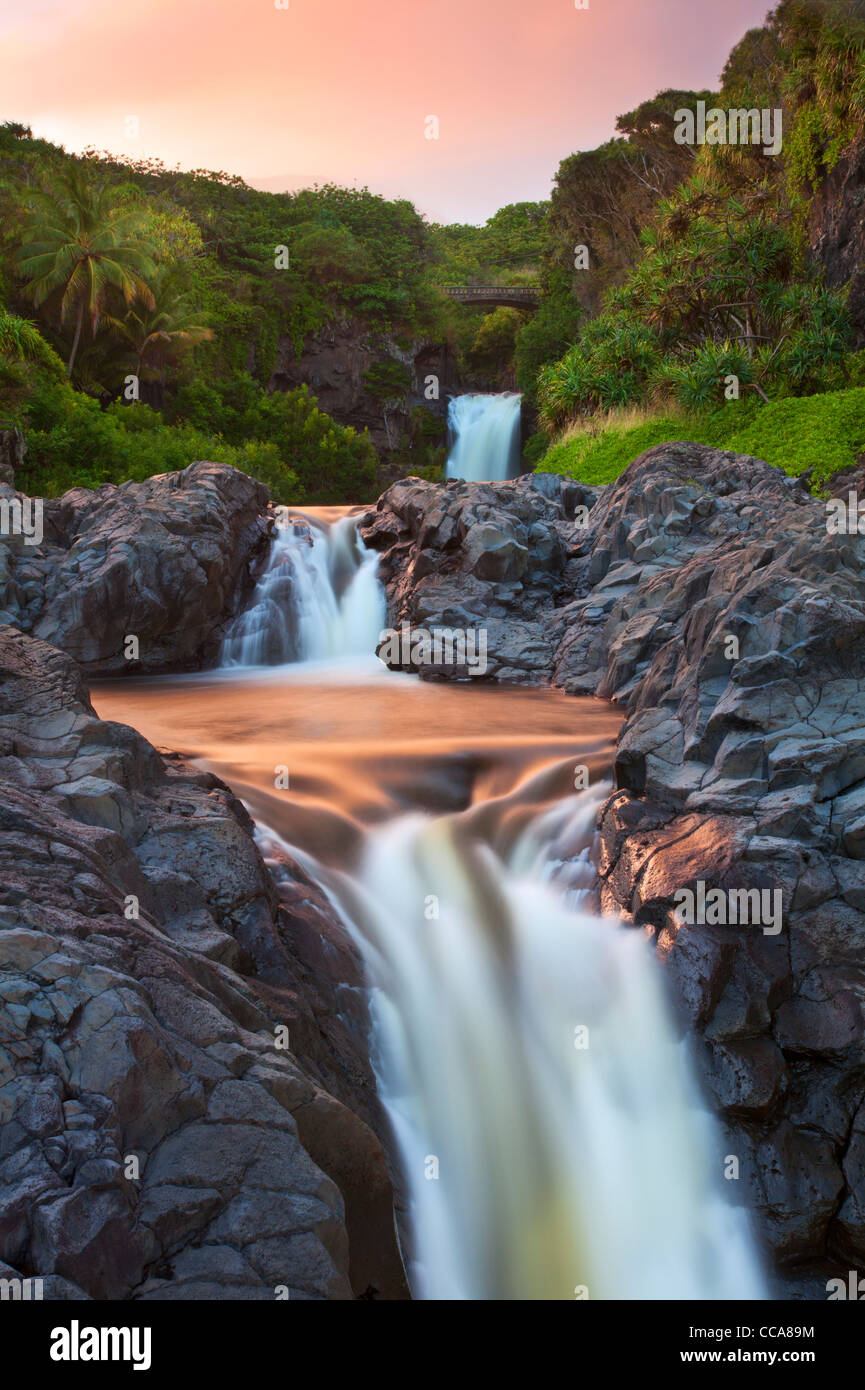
x: 82, y: 248
x: 165, y: 318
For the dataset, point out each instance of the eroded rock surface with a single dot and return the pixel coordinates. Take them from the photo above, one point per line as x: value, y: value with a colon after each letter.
x: 163, y: 561
x: 705, y: 595
x: 491, y: 555
x: 157, y: 1141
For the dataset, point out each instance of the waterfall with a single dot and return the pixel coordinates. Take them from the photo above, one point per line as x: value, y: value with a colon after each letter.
x: 486, y: 432
x: 317, y: 598
x: 551, y: 1133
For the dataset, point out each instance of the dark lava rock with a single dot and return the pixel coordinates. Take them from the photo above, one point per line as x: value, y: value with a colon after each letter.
x: 157, y: 1140
x: 703, y: 593
x: 164, y: 561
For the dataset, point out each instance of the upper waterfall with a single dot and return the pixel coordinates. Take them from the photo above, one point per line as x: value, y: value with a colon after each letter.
x: 318, y: 597
x: 486, y: 432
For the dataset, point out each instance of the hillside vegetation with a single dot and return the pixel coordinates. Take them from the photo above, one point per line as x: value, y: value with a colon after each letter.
x: 144, y: 310
x: 706, y: 304
x: 147, y: 314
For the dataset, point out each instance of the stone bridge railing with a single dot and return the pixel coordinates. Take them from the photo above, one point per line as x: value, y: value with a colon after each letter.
x: 517, y: 296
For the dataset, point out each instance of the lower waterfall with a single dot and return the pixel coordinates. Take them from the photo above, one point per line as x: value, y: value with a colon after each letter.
x: 318, y: 597
x: 551, y: 1137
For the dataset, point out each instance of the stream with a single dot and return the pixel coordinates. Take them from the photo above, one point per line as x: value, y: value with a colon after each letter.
x: 548, y: 1126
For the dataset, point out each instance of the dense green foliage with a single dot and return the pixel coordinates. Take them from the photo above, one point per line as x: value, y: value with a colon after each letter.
x: 823, y: 433
x: 185, y: 291
x: 602, y: 199
x: 699, y: 289
x: 74, y: 441
x: 150, y: 312
x: 151, y: 282
x: 506, y: 250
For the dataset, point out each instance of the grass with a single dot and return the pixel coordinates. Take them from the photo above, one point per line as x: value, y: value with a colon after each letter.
x: 824, y: 432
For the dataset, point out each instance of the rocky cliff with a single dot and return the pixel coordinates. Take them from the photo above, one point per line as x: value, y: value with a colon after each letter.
x: 837, y: 232
x: 186, y: 1104
x: 702, y: 592
x: 335, y: 363
x: 13, y: 451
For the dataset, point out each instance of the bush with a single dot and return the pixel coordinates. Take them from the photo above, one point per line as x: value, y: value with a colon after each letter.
x: 600, y: 458
x: 72, y: 443
x: 333, y: 462
x: 534, y: 450
x: 826, y: 433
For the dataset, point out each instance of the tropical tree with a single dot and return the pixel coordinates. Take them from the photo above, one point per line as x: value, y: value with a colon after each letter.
x: 165, y: 319
x: 81, y: 249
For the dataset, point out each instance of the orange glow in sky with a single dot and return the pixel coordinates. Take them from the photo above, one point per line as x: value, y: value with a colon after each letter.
x: 339, y: 90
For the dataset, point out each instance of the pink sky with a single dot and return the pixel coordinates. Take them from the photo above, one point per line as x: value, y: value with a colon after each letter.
x: 339, y: 90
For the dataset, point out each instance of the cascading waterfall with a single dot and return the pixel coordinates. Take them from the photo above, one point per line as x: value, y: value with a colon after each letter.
x: 552, y: 1139
x: 317, y: 599
x: 551, y: 1133
x: 486, y: 431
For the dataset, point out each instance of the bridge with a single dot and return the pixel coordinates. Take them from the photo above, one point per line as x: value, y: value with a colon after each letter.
x: 515, y: 296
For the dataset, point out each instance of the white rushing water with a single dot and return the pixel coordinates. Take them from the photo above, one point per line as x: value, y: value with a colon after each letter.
x: 317, y: 599
x: 553, y: 1141
x: 486, y: 433
x: 552, y: 1137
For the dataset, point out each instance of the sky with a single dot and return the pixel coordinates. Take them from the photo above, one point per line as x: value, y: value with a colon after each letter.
x: 343, y: 90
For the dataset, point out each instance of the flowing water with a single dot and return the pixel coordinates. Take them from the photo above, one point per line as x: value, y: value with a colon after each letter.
x: 552, y: 1141
x: 486, y: 435
x: 317, y: 597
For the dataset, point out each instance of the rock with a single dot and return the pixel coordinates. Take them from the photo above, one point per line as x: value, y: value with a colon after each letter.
x: 835, y: 233
x: 164, y: 562
x: 334, y: 362
x: 479, y: 554
x: 493, y: 552
x: 156, y: 1141
x: 706, y: 597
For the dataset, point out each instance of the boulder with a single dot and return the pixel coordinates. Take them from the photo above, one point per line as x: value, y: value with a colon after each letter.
x: 144, y: 576
x: 162, y: 1135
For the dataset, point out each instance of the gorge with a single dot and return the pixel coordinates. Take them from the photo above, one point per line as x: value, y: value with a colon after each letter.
x: 463, y: 849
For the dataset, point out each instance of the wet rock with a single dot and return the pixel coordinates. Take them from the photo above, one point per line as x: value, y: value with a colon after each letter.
x: 702, y: 592
x: 164, y: 562
x: 471, y: 555
x: 156, y: 1141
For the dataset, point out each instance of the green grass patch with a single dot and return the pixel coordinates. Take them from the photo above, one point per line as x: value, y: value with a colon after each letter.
x: 824, y: 432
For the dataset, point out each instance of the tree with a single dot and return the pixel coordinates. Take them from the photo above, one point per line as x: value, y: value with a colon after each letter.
x: 79, y: 248
x: 167, y: 320
x: 331, y: 255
